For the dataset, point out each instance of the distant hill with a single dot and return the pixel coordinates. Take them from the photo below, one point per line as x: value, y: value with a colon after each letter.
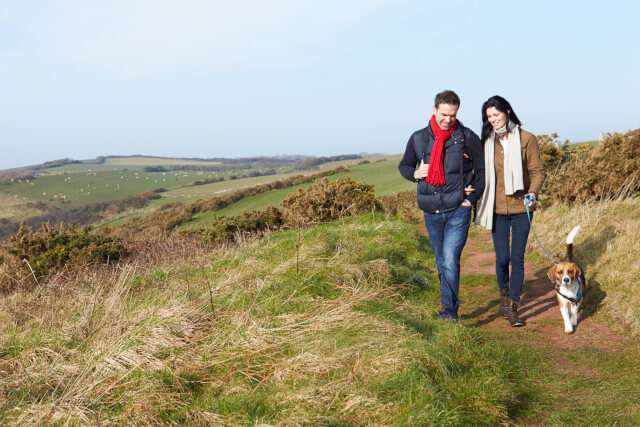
x: 139, y: 162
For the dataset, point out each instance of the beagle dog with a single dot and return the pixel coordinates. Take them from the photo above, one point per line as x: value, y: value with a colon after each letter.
x: 568, y: 278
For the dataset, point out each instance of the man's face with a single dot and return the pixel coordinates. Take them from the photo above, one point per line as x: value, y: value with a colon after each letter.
x: 445, y: 115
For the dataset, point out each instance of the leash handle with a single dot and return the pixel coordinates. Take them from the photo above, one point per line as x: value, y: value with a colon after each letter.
x: 527, y: 199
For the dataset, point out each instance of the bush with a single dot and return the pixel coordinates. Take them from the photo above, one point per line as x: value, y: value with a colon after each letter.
x: 247, y: 224
x: 167, y: 219
x: 609, y: 170
x: 402, y: 205
x: 52, y: 248
x: 326, y: 201
x: 549, y: 152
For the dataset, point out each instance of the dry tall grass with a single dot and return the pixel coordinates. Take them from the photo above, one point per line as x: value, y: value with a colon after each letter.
x: 256, y: 334
x: 607, y: 246
x: 127, y: 341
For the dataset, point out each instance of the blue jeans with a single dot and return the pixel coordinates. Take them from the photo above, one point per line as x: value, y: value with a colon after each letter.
x: 518, y: 226
x: 448, y: 233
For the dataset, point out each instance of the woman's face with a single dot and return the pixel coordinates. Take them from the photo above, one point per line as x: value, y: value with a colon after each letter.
x: 497, y: 118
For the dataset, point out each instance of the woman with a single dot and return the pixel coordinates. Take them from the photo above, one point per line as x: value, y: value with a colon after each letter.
x: 513, y: 169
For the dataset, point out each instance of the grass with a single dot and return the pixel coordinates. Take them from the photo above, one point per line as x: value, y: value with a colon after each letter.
x: 339, y: 332
x: 606, y: 247
x: 130, y: 162
x: 243, y: 336
x: 192, y: 193
x: 79, y: 184
x: 78, y: 189
x: 14, y: 207
x: 382, y: 174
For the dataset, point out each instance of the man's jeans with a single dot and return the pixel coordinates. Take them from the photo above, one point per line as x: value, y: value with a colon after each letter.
x: 518, y: 226
x: 448, y: 233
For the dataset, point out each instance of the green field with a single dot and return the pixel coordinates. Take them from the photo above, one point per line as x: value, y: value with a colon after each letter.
x: 70, y: 190
x: 133, y: 162
x: 80, y: 184
x: 383, y: 175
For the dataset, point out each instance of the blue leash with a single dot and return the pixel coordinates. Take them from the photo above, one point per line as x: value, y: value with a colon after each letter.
x: 528, y: 198
x: 576, y: 300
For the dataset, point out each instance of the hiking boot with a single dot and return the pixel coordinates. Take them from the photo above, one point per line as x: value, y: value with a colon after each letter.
x: 504, y: 302
x: 447, y: 316
x: 514, y: 320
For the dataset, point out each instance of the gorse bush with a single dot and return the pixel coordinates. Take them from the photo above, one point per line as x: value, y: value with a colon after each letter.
x: 326, y: 201
x: 609, y: 170
x: 52, y: 248
x: 402, y: 205
x: 550, y: 154
x: 84, y: 215
x: 247, y: 224
x: 166, y: 220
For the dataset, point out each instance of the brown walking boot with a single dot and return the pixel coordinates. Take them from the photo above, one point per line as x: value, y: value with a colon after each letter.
x: 514, y: 320
x: 504, y: 302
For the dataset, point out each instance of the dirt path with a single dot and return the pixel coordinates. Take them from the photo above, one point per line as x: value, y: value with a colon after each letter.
x: 539, y: 305
x: 591, y: 373
x: 479, y: 301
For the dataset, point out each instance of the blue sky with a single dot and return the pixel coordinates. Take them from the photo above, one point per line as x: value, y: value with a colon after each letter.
x: 244, y: 78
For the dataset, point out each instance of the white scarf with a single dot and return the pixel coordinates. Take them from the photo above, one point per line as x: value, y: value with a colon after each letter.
x: 513, y: 180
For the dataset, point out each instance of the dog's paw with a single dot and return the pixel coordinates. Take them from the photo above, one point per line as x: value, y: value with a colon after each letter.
x: 568, y: 330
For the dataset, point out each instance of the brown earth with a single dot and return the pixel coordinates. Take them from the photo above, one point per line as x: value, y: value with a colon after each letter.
x: 479, y: 303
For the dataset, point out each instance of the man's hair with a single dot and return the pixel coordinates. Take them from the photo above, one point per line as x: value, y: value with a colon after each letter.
x: 447, y: 97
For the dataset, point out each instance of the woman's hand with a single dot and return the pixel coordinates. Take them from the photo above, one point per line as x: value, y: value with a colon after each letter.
x: 468, y: 190
x: 532, y: 201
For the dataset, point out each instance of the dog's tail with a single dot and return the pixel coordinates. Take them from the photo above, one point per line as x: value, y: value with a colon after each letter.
x: 570, y: 237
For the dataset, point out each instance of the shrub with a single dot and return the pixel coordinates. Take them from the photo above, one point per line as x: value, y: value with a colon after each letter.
x: 249, y: 223
x: 402, y: 205
x: 326, y: 201
x: 549, y: 152
x: 167, y: 219
x: 52, y: 248
x: 609, y: 170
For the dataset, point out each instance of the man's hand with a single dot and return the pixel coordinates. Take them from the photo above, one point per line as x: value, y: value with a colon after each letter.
x: 468, y: 190
x: 422, y: 171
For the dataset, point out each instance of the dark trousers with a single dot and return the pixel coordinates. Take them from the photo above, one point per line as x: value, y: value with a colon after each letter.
x: 447, y: 235
x: 518, y: 226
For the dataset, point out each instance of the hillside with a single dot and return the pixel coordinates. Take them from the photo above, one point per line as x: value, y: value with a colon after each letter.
x: 237, y: 315
x: 87, y: 196
x: 341, y: 331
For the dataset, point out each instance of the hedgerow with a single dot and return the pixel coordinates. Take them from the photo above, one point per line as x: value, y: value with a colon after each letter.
x: 52, y: 248
x: 166, y: 220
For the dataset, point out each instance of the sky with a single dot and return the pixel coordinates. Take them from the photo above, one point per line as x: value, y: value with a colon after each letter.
x: 243, y: 78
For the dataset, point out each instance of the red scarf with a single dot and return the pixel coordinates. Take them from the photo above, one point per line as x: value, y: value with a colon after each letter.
x: 435, y: 176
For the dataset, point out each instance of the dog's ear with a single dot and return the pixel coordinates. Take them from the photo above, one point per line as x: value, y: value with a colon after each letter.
x: 575, y: 271
x: 551, y: 273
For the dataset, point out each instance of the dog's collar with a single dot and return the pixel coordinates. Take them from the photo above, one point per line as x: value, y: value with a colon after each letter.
x: 578, y: 297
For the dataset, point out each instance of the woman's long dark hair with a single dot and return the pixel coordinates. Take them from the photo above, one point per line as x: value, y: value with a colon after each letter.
x: 501, y: 105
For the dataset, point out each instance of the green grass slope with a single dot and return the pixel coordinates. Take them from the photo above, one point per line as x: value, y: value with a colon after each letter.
x: 383, y: 175
x: 128, y: 162
x: 339, y: 332
x: 335, y: 326
x: 78, y: 189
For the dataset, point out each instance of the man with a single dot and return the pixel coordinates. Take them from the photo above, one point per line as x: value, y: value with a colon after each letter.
x: 444, y: 158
